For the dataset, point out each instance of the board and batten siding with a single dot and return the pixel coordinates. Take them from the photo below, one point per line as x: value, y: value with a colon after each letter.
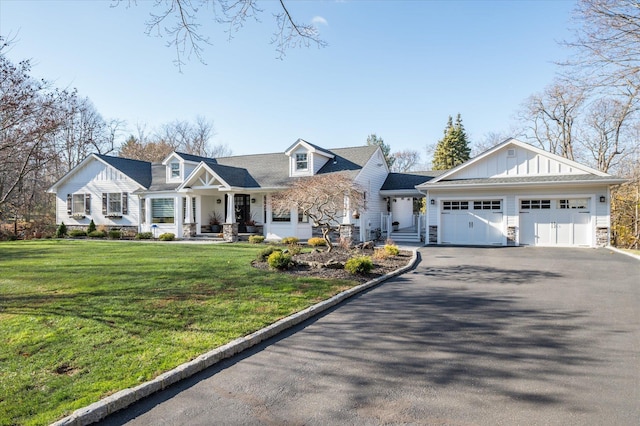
x: 96, y: 178
x: 512, y: 161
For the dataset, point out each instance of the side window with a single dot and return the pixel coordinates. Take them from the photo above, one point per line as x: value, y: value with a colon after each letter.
x: 302, y: 162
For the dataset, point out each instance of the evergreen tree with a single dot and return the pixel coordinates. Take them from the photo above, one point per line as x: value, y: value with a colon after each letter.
x: 453, y: 148
x: 372, y: 139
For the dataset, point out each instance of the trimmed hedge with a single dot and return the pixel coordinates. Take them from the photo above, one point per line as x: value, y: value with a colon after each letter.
x: 167, y: 236
x: 97, y: 234
x: 144, y: 236
x: 290, y: 240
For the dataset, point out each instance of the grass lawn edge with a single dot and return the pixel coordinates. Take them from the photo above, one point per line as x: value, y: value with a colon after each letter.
x: 122, y: 399
x: 630, y: 253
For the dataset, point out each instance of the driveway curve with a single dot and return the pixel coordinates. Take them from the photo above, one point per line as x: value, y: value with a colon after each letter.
x: 471, y: 336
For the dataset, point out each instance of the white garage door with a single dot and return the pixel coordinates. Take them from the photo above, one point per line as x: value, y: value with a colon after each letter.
x: 555, y: 222
x: 473, y: 222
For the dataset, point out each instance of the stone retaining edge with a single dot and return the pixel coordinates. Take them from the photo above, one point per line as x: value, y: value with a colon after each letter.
x: 122, y: 399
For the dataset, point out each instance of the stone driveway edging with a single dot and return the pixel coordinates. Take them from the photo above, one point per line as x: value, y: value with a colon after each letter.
x: 122, y: 399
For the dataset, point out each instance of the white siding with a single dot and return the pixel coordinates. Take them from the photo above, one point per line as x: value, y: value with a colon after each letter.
x: 523, y: 162
x: 371, y: 178
x: 96, y: 178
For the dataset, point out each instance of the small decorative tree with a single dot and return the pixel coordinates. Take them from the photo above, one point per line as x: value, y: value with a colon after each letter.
x: 324, y: 199
x: 92, y: 227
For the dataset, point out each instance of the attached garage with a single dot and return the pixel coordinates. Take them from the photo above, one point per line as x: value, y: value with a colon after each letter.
x: 517, y: 194
x: 555, y: 222
x: 472, y: 222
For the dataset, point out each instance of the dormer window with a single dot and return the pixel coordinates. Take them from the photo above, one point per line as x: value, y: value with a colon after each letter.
x: 175, y: 170
x: 301, y: 162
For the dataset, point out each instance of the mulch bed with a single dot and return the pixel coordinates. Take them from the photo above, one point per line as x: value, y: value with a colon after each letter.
x: 338, y: 254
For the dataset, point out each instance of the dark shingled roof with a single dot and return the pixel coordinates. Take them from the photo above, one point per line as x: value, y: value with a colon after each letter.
x: 399, y: 181
x: 194, y: 158
x: 139, y: 171
x: 233, y: 176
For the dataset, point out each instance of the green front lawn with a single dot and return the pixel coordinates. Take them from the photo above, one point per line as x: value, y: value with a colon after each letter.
x: 80, y: 320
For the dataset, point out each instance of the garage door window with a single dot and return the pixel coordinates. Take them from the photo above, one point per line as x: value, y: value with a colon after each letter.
x: 576, y: 203
x: 455, y: 205
x: 487, y: 205
x: 535, y: 204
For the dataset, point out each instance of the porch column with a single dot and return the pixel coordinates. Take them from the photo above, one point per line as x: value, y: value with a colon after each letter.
x: 231, y: 214
x: 346, y: 217
x: 188, y: 228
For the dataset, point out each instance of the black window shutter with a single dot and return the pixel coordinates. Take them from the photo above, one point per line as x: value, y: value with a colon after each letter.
x: 87, y: 203
x: 104, y: 203
x: 125, y: 203
x: 69, y: 210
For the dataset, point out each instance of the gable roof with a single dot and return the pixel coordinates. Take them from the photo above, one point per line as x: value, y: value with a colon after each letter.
x: 586, y: 174
x: 311, y: 147
x: 137, y: 170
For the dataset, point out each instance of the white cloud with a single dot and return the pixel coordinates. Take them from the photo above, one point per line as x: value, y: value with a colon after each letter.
x: 317, y: 20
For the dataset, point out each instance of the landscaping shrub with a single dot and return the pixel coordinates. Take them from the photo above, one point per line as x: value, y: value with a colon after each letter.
x: 391, y: 250
x: 256, y: 239
x: 167, y: 236
x: 290, y: 240
x: 115, y: 234
x: 279, y: 260
x: 92, y: 227
x: 61, y: 232
x: 75, y: 233
x: 359, y: 265
x: 144, y: 235
x: 265, y: 253
x: 97, y: 234
x: 316, y: 242
x: 380, y: 254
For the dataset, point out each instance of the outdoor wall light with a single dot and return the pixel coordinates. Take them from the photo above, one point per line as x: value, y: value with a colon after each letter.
x: 253, y: 201
x: 603, y: 198
x: 218, y: 201
x: 433, y: 201
x: 395, y: 200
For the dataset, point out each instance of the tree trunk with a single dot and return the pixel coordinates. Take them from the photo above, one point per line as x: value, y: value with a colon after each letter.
x: 325, y: 235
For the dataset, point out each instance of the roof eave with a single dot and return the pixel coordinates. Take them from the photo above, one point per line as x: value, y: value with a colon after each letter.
x: 518, y: 184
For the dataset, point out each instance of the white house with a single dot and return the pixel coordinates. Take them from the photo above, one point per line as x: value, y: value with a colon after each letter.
x: 513, y: 194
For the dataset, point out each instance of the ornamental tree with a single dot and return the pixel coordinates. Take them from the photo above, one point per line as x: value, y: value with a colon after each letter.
x: 324, y: 199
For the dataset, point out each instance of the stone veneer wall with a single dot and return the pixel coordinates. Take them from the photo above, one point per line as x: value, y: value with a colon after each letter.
x: 433, y: 234
x: 511, y: 235
x: 602, y: 236
x: 230, y: 232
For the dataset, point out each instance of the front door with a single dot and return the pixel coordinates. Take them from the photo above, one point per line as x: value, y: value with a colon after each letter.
x: 242, y: 207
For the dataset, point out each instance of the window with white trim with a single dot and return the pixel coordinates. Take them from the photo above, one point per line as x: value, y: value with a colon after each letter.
x: 115, y: 204
x: 175, y: 170
x: 281, y: 217
x: 455, y: 205
x: 78, y: 204
x: 575, y: 203
x: 535, y: 204
x: 302, y: 162
x: 487, y: 205
x: 162, y: 210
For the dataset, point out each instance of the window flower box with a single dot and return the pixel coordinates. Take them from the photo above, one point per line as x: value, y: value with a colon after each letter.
x: 77, y: 216
x: 113, y: 216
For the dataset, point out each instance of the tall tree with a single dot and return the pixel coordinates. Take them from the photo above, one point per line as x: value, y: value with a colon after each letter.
x: 374, y: 140
x: 31, y: 111
x: 453, y: 148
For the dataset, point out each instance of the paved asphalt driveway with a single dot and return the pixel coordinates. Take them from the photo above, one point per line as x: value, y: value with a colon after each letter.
x: 470, y: 336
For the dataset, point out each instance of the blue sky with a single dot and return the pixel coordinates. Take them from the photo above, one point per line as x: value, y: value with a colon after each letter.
x: 394, y: 68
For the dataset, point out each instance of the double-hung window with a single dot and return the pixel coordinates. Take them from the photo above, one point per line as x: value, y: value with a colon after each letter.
x: 78, y: 204
x: 114, y: 204
x: 301, y: 162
